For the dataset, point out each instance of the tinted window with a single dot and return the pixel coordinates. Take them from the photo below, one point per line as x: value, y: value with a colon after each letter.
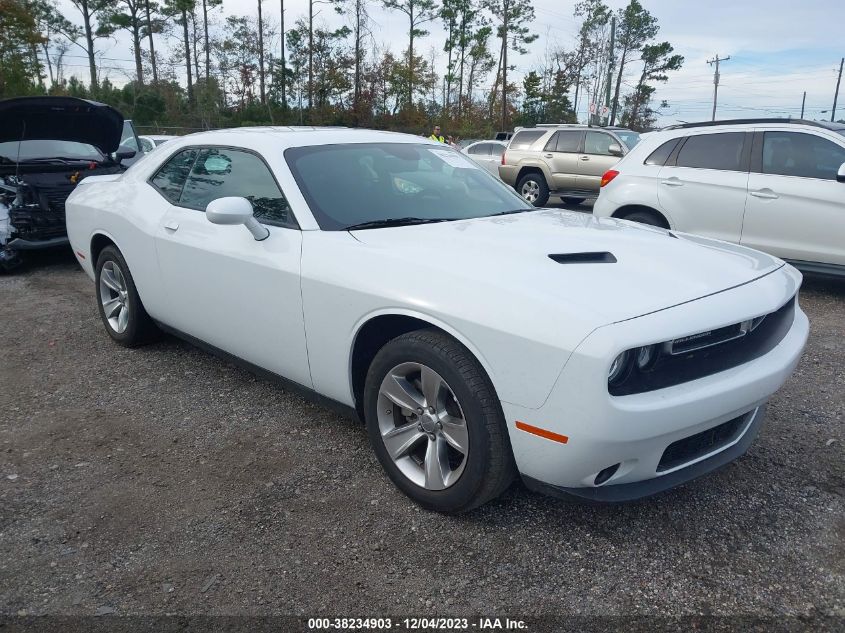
x: 802, y: 155
x: 661, y: 154
x: 218, y: 173
x: 480, y: 149
x: 713, y: 151
x: 564, y: 141
x: 378, y: 181
x: 524, y: 139
x: 172, y: 175
x: 628, y: 137
x: 598, y: 143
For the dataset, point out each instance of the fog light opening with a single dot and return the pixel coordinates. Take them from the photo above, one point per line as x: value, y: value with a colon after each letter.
x: 606, y: 474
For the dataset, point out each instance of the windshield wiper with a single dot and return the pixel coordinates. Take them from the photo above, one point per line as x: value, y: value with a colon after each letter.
x: 387, y: 222
x: 60, y: 158
x: 512, y: 211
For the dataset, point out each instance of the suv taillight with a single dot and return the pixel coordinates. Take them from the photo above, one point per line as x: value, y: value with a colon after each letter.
x: 503, y: 158
x: 609, y: 175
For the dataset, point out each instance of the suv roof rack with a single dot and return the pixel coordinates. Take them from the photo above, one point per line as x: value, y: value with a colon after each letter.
x: 682, y: 126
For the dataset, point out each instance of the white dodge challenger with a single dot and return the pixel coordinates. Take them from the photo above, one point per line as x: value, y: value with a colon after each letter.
x: 478, y: 337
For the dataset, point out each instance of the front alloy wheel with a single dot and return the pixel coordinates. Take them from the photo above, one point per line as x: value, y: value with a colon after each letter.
x: 435, y: 422
x: 423, y: 426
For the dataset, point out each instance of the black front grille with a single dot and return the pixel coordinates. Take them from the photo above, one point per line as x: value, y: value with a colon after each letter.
x: 53, y: 198
x: 694, y: 446
x: 670, y: 370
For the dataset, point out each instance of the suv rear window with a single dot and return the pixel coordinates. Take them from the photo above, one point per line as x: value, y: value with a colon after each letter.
x: 713, y: 151
x: 525, y: 138
x: 661, y: 154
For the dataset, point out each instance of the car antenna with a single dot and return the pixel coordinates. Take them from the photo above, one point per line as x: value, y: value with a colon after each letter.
x: 18, y: 157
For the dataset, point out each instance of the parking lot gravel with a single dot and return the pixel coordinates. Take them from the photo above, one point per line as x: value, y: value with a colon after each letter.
x: 165, y: 480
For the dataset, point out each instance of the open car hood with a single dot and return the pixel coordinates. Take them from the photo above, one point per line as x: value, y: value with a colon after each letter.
x: 61, y: 119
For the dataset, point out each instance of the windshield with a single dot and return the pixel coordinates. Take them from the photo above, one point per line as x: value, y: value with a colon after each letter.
x: 31, y: 150
x: 628, y: 137
x: 347, y: 185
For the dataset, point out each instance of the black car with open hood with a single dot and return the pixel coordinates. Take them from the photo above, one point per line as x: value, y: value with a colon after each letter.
x: 47, y: 145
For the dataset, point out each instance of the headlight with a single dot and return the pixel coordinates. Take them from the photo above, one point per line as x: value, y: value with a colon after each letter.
x: 646, y: 356
x: 619, y: 368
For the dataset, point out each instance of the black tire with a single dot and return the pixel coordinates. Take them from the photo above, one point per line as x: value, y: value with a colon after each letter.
x: 140, y: 328
x: 489, y: 468
x: 542, y: 188
x: 652, y: 218
x: 573, y: 201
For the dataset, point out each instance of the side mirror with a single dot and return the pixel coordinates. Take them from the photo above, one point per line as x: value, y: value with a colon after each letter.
x: 840, y: 175
x: 234, y: 210
x: 123, y: 153
x: 615, y: 149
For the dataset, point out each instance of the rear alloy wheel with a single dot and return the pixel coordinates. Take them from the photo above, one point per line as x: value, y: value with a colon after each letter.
x: 533, y: 188
x: 121, y: 310
x: 435, y: 423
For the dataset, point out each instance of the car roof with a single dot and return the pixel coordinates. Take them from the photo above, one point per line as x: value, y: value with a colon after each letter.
x: 763, y: 122
x: 298, y: 136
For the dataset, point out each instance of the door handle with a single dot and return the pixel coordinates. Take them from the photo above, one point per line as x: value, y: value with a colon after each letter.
x: 766, y: 194
x: 672, y: 182
x: 585, y: 158
x: 171, y: 225
x: 548, y: 155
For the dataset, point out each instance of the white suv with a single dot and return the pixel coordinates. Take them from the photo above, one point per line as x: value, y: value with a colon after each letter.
x: 777, y: 185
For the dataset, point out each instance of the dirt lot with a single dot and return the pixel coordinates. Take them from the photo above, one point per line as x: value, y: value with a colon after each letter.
x: 163, y: 480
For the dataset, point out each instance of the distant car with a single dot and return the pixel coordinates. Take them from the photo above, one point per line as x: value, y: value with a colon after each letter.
x: 477, y: 336
x: 565, y: 160
x: 48, y: 145
x: 488, y: 154
x: 150, y: 141
x: 774, y: 185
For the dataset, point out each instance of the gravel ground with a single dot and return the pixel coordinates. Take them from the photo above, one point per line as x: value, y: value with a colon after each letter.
x: 164, y: 480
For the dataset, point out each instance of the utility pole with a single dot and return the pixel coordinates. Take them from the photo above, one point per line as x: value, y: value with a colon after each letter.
x: 610, y: 63
x: 836, y: 94
x: 716, y: 81
x: 505, y: 68
x: 284, y: 71
x: 803, y: 101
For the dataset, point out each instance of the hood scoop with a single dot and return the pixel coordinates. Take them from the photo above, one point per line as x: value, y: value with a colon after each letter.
x: 598, y: 257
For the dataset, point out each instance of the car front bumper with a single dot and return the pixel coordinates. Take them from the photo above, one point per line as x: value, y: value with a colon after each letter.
x: 634, y: 431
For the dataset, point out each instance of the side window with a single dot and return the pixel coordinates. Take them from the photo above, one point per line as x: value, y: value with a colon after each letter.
x: 713, y: 151
x: 482, y: 149
x: 171, y: 176
x: 525, y: 138
x: 497, y: 150
x: 551, y: 145
x: 568, y: 140
x: 661, y: 154
x: 221, y: 172
x: 598, y: 143
x: 802, y: 155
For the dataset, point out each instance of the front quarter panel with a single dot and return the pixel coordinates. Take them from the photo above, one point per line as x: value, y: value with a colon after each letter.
x: 521, y: 343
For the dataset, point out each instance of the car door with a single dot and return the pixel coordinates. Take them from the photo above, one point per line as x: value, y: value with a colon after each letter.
x: 224, y: 287
x: 702, y: 187
x: 561, y: 155
x: 795, y: 207
x: 595, y: 160
x: 481, y: 154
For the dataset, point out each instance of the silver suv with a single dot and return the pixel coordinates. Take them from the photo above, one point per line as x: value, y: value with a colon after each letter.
x: 562, y: 160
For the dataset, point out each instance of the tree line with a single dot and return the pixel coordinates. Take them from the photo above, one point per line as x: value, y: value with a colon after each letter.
x: 196, y: 68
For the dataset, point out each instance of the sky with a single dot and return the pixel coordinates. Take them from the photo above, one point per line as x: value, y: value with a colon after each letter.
x: 778, y: 49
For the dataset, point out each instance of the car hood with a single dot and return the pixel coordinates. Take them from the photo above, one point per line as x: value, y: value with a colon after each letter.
x: 61, y: 119
x: 612, y: 269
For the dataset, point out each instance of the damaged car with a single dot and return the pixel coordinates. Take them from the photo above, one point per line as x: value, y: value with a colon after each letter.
x: 47, y: 146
